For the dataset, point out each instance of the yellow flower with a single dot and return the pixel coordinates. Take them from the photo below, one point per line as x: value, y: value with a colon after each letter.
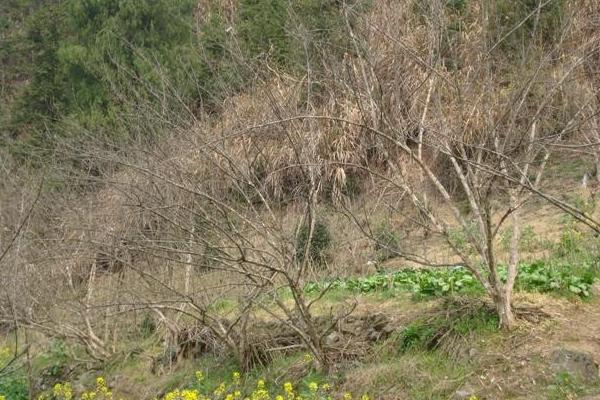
x: 237, y: 394
x: 260, y: 394
x: 347, y: 396
x: 288, y: 387
x: 260, y: 384
x: 325, y: 386
x: 100, y: 382
x: 365, y: 397
x: 4, y: 353
x: 189, y: 395
x: 199, y: 376
x: 313, y: 386
x: 236, y: 377
x: 278, y: 397
x: 220, y: 390
x: 308, y: 358
x: 2, y: 397
x: 57, y: 390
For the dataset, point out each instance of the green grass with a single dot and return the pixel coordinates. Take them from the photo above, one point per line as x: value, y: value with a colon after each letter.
x: 564, y: 387
x: 456, y: 319
x: 415, y: 375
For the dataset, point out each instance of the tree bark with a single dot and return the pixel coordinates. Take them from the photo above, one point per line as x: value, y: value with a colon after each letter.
x: 504, y: 308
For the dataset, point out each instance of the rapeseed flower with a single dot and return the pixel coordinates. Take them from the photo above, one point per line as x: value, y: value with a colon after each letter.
x: 220, y: 390
x: 63, y: 391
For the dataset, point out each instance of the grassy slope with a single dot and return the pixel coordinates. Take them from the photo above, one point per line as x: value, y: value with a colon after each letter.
x: 491, y: 365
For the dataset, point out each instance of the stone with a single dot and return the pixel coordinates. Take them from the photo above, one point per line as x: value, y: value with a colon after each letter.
x: 333, y: 339
x: 596, y: 289
x: 464, y: 393
x: 575, y: 363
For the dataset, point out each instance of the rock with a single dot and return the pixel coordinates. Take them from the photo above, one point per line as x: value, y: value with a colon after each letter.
x: 596, y: 289
x: 463, y: 393
x: 578, y: 364
x: 334, y: 338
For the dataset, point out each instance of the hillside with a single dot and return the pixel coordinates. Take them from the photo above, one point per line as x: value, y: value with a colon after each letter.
x: 312, y: 199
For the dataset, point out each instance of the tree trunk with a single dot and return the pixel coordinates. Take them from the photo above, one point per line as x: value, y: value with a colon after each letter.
x: 503, y: 304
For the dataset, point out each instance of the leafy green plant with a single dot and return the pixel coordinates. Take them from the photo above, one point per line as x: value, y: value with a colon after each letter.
x: 420, y: 281
x: 416, y: 335
x: 562, y: 279
x: 558, y: 278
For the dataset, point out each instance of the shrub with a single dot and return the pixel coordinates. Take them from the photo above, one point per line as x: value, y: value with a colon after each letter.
x: 319, y: 244
x: 147, y: 326
x: 544, y: 28
x: 570, y: 243
x: 386, y: 242
x: 529, y: 240
x: 416, y: 335
x: 55, y: 358
x: 460, y: 238
x: 455, y: 318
